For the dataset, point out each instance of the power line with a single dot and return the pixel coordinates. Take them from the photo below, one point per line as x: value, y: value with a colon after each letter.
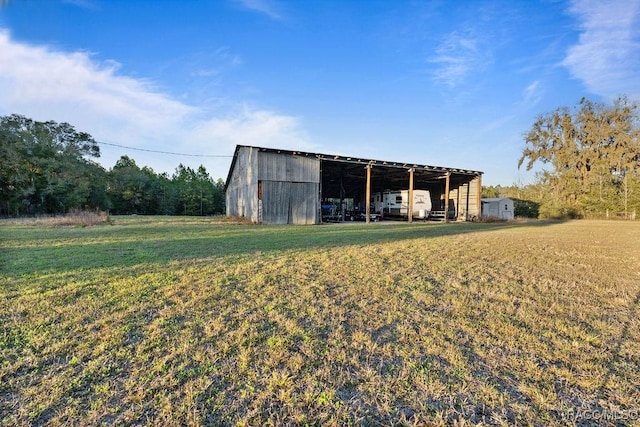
x: 162, y: 152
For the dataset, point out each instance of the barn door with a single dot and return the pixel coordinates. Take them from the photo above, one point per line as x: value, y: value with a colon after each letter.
x: 275, y: 202
x: 303, y: 203
x: 289, y: 202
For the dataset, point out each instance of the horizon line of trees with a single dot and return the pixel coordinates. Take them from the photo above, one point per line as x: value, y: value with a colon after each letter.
x: 590, y: 156
x: 48, y: 168
x: 591, y: 160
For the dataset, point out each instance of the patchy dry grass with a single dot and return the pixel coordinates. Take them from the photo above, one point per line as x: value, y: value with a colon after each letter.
x: 196, y: 322
x: 73, y: 219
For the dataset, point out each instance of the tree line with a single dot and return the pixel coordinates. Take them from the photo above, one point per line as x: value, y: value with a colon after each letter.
x: 49, y: 168
x: 590, y: 156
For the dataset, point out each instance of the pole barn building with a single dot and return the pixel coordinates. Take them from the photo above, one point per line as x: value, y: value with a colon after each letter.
x: 273, y: 186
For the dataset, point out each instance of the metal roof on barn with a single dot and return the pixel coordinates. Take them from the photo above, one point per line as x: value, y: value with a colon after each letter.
x: 352, y: 166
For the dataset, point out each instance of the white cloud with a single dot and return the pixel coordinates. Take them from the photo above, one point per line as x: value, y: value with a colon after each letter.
x: 457, y: 56
x: 213, y: 64
x: 532, y: 94
x: 607, y: 56
x: 265, y: 7
x: 45, y: 84
x: 48, y: 84
x: 86, y: 4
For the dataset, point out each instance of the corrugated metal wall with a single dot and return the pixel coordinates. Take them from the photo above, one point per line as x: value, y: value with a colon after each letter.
x: 289, y: 202
x: 290, y: 188
x: 242, y: 190
x: 284, y: 167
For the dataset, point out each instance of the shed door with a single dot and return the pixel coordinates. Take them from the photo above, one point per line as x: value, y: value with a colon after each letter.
x: 506, y: 211
x: 289, y: 202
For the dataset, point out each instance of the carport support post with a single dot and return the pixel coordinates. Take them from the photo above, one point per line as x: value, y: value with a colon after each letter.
x: 410, y: 210
x: 341, y: 194
x: 446, y: 196
x: 466, y: 209
x: 479, y: 196
x: 368, y: 195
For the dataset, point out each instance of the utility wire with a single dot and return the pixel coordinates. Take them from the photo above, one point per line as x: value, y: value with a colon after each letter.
x: 162, y: 152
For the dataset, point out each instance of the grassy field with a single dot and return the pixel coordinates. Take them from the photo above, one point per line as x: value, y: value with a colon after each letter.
x: 168, y: 321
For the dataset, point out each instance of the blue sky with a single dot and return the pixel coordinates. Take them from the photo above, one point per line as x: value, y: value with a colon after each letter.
x: 448, y: 83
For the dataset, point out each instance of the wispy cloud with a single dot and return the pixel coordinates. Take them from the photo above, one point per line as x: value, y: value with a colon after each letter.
x: 46, y: 84
x: 212, y: 62
x: 251, y: 126
x: 481, y: 29
x: 456, y: 57
x: 607, y: 56
x: 461, y: 54
x: 85, y: 4
x: 532, y: 93
x: 266, y: 7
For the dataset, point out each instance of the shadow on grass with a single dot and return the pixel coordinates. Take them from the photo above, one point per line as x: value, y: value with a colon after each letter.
x: 40, y: 250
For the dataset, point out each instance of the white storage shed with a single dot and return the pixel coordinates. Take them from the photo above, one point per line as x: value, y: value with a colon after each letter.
x: 498, y: 207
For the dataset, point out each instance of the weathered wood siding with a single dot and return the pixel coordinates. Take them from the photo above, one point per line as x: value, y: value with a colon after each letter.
x: 289, y: 202
x: 290, y: 188
x: 242, y: 189
x: 284, y: 167
x: 466, y: 199
x: 304, y: 202
x: 275, y: 202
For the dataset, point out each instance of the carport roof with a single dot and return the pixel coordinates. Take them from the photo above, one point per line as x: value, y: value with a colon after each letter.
x: 429, y: 169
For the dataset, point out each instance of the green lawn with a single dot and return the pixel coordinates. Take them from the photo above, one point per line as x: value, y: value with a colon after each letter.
x: 188, y: 321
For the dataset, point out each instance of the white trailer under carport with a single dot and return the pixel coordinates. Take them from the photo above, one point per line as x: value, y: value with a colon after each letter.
x: 396, y: 203
x: 497, y: 207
